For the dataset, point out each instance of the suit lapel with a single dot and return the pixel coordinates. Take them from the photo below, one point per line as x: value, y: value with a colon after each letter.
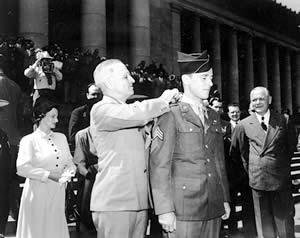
x: 255, y: 126
x: 273, y: 129
x: 190, y: 115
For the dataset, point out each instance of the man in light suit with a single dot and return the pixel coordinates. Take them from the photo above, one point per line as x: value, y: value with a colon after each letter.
x: 119, y: 199
x: 187, y: 168
x: 266, y: 144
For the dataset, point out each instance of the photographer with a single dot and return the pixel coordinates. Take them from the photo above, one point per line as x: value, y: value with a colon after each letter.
x: 45, y: 75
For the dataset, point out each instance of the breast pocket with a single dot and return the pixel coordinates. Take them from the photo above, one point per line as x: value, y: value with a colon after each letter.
x: 189, y: 139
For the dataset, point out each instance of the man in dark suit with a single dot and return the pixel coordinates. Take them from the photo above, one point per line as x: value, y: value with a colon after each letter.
x: 238, y: 180
x: 11, y: 121
x: 266, y: 144
x: 5, y: 176
x: 80, y: 116
x: 85, y: 158
x: 187, y: 169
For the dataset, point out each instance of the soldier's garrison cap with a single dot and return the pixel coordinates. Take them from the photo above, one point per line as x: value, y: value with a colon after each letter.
x: 193, y: 63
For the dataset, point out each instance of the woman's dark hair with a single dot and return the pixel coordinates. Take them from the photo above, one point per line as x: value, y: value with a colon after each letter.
x: 41, y: 107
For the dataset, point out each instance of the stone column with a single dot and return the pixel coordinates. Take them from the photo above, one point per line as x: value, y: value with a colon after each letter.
x: 233, y: 79
x: 287, y: 82
x: 296, y: 80
x: 262, y: 65
x: 249, y: 73
x: 139, y: 29
x: 196, y: 35
x: 216, y: 57
x: 93, y: 30
x: 118, y: 31
x: 33, y: 21
x: 176, y: 36
x: 275, y: 77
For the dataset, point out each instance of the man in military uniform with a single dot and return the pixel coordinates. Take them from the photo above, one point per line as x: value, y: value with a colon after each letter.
x: 5, y: 175
x: 187, y: 169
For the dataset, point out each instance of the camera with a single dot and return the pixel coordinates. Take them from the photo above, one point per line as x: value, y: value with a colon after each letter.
x: 47, y: 66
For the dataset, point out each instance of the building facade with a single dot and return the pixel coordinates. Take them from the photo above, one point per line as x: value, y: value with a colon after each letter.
x: 256, y: 43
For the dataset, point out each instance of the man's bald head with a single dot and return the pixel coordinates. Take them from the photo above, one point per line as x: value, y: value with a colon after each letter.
x: 114, y: 79
x: 104, y: 72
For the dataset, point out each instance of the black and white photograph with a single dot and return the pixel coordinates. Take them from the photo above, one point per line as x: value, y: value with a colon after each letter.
x: 149, y: 118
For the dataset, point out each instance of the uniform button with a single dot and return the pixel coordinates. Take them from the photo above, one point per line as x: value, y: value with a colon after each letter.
x: 208, y: 160
x: 49, y: 139
x: 191, y: 129
x: 183, y: 187
x: 206, y: 146
x: 145, y: 170
x: 56, y: 165
x: 209, y: 175
x: 52, y: 144
x: 55, y: 150
x: 57, y: 157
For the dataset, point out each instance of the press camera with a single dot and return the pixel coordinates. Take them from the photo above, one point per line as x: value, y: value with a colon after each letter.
x: 47, y: 66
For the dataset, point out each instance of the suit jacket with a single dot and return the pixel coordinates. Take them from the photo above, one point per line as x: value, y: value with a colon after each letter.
x: 266, y: 156
x: 5, y: 163
x: 80, y: 119
x: 117, y: 132
x: 187, y: 170
x: 234, y: 167
x: 86, y: 160
x: 11, y: 115
x: 85, y: 152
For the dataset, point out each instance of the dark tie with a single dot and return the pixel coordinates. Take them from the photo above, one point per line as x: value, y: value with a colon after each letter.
x: 263, y: 125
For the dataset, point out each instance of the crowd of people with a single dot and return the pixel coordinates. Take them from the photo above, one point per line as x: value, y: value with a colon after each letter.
x: 76, y: 66
x: 171, y: 158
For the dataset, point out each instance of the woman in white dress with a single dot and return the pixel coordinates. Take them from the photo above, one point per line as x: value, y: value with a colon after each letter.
x: 45, y: 161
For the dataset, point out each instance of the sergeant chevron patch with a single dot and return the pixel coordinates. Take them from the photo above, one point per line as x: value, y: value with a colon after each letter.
x: 158, y: 133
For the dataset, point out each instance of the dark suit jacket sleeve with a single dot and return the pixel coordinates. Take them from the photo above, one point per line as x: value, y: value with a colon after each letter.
x: 240, y: 145
x: 292, y: 139
x: 74, y: 125
x: 164, y: 136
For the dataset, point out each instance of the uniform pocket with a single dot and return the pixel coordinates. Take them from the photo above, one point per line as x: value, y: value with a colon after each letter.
x: 190, y: 197
x: 189, y: 139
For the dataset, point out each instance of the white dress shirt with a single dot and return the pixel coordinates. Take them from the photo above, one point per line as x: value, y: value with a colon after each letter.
x: 266, y: 118
x: 234, y: 123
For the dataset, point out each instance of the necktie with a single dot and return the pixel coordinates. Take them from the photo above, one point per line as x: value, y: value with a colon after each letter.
x: 202, y: 113
x: 263, y: 125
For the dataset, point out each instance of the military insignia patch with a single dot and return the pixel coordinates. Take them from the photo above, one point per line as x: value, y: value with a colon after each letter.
x: 158, y: 134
